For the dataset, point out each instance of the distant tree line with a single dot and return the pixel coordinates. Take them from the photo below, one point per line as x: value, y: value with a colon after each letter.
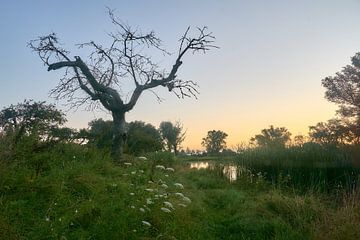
x: 342, y: 89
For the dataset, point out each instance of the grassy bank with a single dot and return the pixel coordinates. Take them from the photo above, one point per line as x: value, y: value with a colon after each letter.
x: 71, y: 192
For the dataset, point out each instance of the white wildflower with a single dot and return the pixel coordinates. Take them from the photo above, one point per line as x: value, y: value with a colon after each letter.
x: 134, y: 172
x: 128, y: 164
x: 164, y: 185
x: 166, y: 210
x: 59, y: 219
x: 146, y: 223
x: 149, y: 189
x: 182, y: 205
x: 170, y: 169
x: 141, y: 209
x: 169, y: 205
x: 160, y: 167
x: 166, y: 175
x: 71, y: 224
x: 142, y: 158
x: 150, y: 182
x: 134, y: 230
x: 76, y: 211
x: 132, y: 194
x: 179, y: 194
x: 179, y: 185
x: 47, y: 219
x: 141, y: 171
x: 132, y: 206
x: 186, y: 199
x: 149, y: 201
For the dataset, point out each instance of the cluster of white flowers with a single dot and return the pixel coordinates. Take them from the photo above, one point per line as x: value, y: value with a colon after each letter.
x: 158, y: 195
x: 179, y: 185
x: 160, y: 167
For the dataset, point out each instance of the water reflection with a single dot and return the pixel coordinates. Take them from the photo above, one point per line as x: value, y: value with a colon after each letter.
x: 229, y: 170
x: 200, y: 165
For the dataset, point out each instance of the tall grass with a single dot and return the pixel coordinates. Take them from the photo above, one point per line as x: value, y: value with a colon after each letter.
x: 74, y: 192
x: 311, y: 167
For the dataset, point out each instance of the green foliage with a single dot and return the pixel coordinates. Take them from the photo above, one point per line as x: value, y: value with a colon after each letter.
x: 143, y: 138
x: 30, y: 117
x: 312, y: 166
x: 214, y: 141
x: 334, y: 132
x: 172, y: 135
x: 80, y: 193
x: 100, y: 133
x: 272, y: 137
x: 344, y: 89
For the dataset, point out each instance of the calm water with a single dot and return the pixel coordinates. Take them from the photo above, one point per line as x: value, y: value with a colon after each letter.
x: 229, y: 170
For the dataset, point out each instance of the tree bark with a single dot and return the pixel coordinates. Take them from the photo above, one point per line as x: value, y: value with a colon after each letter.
x: 119, y: 136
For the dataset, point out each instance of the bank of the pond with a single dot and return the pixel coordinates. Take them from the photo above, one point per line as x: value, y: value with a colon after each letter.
x: 81, y: 194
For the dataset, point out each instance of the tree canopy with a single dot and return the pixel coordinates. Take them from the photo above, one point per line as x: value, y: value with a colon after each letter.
x: 344, y: 90
x: 143, y: 137
x: 272, y: 137
x: 214, y: 141
x: 334, y: 131
x: 30, y: 117
x: 172, y: 135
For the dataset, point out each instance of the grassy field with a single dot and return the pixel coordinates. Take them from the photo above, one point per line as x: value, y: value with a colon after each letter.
x: 73, y: 192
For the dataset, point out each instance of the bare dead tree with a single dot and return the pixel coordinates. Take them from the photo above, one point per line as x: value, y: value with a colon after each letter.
x: 101, y: 75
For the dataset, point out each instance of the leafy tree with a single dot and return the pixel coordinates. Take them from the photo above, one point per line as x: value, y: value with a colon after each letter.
x: 173, y: 135
x: 100, y: 133
x: 331, y: 132
x: 344, y: 89
x: 300, y: 140
x: 214, y: 142
x: 272, y: 137
x: 30, y: 117
x: 63, y: 134
x: 143, y: 138
x: 123, y: 60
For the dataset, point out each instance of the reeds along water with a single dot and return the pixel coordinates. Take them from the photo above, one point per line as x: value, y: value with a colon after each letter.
x: 312, y: 167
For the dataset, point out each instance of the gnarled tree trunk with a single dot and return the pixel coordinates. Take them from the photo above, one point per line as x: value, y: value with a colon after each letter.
x: 119, y: 136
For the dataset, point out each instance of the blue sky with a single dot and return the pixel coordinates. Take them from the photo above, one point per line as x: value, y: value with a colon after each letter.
x: 268, y: 70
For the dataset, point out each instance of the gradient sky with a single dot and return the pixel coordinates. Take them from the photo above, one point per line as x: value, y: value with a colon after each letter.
x: 268, y: 70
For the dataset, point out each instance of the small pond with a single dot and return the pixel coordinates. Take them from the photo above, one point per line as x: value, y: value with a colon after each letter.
x: 229, y: 170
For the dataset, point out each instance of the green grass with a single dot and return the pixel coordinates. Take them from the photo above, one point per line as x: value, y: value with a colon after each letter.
x: 73, y: 192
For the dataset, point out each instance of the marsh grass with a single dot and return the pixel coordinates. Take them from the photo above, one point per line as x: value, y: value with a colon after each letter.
x: 79, y: 193
x: 309, y: 168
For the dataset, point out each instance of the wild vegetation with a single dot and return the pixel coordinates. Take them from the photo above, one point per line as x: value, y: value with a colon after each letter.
x: 72, y: 191
x: 68, y: 187
x: 63, y: 183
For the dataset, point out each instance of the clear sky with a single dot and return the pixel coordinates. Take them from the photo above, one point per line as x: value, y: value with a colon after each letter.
x: 268, y: 70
